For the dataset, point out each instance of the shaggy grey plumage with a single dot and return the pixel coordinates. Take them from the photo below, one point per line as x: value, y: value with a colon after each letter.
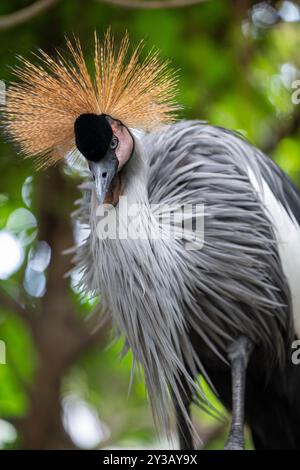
x: 157, y: 291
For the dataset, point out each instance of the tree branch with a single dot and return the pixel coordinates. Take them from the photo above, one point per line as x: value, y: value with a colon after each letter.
x: 98, y: 335
x: 153, y: 4
x: 10, y: 304
x: 25, y: 14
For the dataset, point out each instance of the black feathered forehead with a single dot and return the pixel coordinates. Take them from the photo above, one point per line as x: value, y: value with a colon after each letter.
x: 93, y: 135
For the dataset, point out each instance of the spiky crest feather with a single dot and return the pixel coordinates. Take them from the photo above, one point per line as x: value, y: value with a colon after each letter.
x: 42, y: 107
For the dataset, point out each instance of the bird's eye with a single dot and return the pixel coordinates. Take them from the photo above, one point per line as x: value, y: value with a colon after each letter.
x: 114, y: 143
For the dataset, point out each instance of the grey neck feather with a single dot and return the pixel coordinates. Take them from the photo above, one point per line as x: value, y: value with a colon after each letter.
x: 143, y: 284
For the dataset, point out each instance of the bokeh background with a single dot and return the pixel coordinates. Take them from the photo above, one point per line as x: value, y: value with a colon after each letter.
x: 62, y: 383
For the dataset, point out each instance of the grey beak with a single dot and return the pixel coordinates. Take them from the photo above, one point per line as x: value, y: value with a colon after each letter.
x: 103, y: 173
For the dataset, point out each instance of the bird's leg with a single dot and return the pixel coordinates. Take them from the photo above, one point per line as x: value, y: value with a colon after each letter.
x: 238, y: 354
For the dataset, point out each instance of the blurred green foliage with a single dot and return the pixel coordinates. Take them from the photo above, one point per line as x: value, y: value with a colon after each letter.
x: 235, y: 71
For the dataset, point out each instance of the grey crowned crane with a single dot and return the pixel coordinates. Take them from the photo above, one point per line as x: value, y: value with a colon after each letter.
x: 228, y: 310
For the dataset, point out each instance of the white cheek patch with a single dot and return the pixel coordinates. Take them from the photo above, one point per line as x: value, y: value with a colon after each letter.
x: 127, y: 143
x: 137, y: 133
